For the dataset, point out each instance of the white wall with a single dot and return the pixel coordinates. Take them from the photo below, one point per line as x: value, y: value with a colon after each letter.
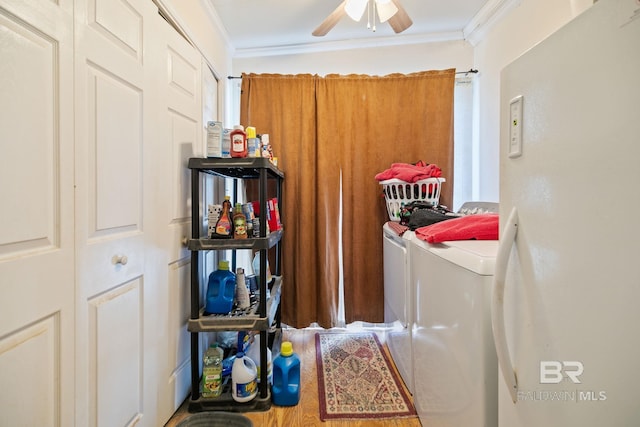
x: 380, y: 60
x: 524, y: 25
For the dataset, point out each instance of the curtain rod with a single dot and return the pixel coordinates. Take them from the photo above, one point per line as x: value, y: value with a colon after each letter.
x: 471, y: 70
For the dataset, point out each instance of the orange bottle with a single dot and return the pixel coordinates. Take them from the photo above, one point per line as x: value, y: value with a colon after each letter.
x: 224, y: 227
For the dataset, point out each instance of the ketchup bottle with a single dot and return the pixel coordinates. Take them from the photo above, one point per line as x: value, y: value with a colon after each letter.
x: 238, y: 142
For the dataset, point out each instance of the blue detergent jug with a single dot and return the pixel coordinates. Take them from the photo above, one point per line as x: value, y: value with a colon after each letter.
x: 286, y: 377
x: 220, y: 290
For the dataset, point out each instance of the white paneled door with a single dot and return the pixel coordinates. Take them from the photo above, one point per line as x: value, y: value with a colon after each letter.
x: 115, y: 378
x: 101, y: 106
x: 183, y: 138
x: 36, y: 214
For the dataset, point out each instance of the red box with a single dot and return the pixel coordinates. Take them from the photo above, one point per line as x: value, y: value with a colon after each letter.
x: 273, y: 214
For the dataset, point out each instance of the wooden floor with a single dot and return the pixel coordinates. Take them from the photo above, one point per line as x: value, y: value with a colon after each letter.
x: 306, y: 413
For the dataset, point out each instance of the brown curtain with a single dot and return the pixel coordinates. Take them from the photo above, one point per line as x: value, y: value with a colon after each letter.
x: 349, y: 128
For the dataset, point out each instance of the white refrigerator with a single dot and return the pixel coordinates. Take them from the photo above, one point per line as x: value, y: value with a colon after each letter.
x: 566, y: 297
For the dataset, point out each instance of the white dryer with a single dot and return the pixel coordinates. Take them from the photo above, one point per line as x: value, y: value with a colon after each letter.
x: 397, y: 299
x: 454, y: 361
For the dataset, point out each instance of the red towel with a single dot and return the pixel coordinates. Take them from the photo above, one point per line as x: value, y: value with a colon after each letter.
x: 410, y: 173
x: 470, y: 227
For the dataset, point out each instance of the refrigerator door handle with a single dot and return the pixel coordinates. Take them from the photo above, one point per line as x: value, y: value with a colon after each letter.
x: 497, y: 304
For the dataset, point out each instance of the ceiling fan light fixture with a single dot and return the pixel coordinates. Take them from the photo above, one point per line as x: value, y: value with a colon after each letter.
x: 390, y: 11
x: 355, y: 8
x: 386, y: 9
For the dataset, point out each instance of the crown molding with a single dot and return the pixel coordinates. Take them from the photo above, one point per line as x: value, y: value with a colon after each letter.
x: 475, y: 31
x: 348, y: 44
x: 218, y: 25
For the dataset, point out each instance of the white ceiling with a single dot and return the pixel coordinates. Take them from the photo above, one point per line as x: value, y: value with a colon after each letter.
x: 262, y: 25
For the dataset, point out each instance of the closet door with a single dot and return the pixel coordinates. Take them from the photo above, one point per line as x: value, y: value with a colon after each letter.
x: 182, y: 138
x: 36, y: 214
x: 116, y: 106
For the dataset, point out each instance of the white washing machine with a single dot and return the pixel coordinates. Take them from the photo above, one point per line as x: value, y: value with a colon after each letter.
x: 397, y: 302
x: 455, y: 368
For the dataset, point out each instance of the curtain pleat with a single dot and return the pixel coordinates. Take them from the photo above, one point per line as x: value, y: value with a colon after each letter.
x: 352, y: 127
x: 283, y: 106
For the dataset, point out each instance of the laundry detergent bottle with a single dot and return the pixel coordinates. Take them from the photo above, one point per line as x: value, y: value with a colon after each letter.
x: 221, y: 290
x: 286, y: 377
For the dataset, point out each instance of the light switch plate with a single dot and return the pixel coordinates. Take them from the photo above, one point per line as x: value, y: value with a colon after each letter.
x: 515, y: 127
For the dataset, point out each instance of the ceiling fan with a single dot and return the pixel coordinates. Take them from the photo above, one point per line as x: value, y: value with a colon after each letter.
x: 386, y: 10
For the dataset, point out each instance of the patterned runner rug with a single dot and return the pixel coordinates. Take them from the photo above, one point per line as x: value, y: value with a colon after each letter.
x: 356, y: 379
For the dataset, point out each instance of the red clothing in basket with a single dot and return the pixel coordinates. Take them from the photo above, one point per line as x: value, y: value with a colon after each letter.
x: 410, y: 173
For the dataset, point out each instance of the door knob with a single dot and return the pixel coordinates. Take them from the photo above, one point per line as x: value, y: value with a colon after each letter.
x: 120, y: 259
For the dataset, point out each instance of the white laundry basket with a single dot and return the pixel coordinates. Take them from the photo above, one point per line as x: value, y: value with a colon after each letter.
x: 398, y: 193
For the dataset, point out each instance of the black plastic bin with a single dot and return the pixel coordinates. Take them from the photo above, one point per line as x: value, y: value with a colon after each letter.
x: 215, y: 419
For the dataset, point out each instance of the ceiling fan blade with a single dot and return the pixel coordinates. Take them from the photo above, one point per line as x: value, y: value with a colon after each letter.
x: 400, y: 21
x: 330, y: 20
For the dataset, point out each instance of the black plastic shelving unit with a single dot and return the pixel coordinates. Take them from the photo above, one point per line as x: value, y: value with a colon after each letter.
x: 258, y: 317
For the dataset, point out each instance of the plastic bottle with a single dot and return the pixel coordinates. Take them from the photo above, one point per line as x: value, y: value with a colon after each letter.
x: 224, y: 226
x: 242, y: 292
x: 254, y: 353
x: 212, y: 371
x: 259, y: 138
x: 220, y: 290
x: 244, y: 379
x: 238, y: 142
x: 239, y: 223
x: 253, y: 142
x: 286, y: 377
x: 264, y: 146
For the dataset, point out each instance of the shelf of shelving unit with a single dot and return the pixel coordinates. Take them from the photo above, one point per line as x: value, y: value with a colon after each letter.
x: 244, y: 168
x: 240, y: 320
x: 261, y: 316
x: 206, y: 244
